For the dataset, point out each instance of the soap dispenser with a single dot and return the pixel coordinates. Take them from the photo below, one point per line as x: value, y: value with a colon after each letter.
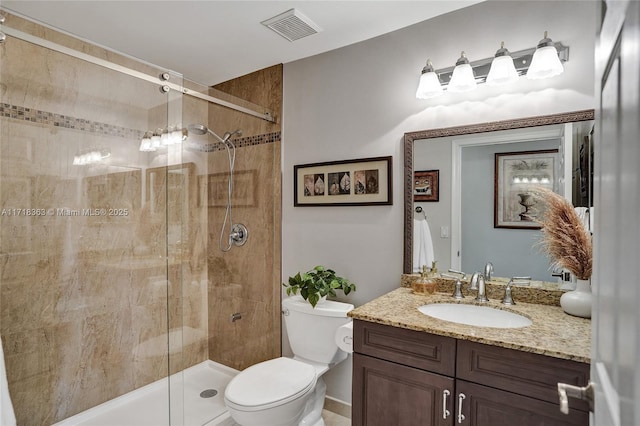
x: 426, y: 284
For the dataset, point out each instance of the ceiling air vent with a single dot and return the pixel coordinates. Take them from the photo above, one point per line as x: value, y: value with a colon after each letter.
x: 292, y: 25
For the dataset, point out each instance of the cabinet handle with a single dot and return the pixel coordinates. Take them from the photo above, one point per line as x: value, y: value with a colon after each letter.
x: 461, y: 397
x: 445, y: 413
x: 585, y: 393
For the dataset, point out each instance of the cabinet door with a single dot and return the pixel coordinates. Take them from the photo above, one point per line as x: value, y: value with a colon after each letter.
x: 524, y: 373
x: 485, y: 406
x: 386, y: 393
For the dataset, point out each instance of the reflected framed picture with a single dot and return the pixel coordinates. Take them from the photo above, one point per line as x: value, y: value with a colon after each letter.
x: 426, y: 185
x: 360, y: 182
x: 517, y: 175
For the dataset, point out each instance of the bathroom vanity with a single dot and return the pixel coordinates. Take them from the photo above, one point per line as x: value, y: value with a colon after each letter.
x: 412, y: 369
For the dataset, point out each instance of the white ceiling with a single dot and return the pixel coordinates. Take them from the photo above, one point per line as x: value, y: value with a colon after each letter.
x: 214, y: 41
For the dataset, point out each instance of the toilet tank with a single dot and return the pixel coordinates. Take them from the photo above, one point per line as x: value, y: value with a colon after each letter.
x: 312, y: 331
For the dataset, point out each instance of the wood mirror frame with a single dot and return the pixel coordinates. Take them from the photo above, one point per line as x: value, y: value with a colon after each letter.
x: 410, y: 137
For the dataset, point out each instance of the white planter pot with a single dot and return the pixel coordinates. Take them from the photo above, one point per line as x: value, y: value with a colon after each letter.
x: 578, y: 302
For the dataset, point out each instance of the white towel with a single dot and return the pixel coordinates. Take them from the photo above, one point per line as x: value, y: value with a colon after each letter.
x: 7, y: 416
x: 583, y: 214
x: 422, y: 245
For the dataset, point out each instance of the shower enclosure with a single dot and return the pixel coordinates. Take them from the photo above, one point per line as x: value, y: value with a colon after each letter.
x: 111, y: 279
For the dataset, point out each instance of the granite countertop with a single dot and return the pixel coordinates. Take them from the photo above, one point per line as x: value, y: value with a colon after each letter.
x: 553, y: 332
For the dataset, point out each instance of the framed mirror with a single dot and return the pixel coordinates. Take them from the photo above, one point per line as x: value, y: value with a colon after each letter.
x: 465, y: 159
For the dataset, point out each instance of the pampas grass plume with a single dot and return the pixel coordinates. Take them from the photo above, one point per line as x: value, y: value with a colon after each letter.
x: 564, y: 237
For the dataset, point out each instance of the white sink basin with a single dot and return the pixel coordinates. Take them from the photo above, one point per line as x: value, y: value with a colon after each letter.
x: 479, y: 316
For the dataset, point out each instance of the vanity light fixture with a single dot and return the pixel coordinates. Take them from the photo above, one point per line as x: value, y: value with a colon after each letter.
x: 543, y: 61
x: 145, y: 143
x: 538, y: 180
x: 155, y: 139
x: 502, y: 70
x: 93, y: 156
x: 429, y: 86
x: 462, y: 79
x: 162, y: 138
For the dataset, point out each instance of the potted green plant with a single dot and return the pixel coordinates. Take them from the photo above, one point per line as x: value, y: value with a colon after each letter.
x: 318, y: 283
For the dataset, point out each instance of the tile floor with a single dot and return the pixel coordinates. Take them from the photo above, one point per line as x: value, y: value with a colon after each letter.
x: 333, y: 419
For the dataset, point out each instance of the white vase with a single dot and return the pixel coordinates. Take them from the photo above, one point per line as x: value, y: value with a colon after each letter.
x: 578, y: 302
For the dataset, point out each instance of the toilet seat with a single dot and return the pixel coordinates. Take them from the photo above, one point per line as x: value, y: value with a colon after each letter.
x: 270, y: 384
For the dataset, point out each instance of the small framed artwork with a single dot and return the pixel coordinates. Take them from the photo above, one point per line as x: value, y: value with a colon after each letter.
x: 426, y: 185
x: 361, y: 182
x: 517, y: 175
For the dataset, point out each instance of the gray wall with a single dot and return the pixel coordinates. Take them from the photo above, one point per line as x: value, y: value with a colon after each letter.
x: 358, y: 101
x: 435, y: 154
x: 513, y: 252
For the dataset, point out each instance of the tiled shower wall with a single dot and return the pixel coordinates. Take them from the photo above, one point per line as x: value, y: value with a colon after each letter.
x: 95, y: 272
x: 246, y: 280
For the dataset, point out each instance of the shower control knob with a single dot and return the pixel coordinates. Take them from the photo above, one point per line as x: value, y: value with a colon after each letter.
x: 239, y: 234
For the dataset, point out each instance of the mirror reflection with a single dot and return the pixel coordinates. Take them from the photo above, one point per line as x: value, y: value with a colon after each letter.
x: 483, y: 213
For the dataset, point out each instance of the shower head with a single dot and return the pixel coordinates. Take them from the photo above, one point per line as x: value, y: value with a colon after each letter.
x: 201, y: 129
x: 198, y: 129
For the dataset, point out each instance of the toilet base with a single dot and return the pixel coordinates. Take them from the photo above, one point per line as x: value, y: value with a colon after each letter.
x: 315, y: 404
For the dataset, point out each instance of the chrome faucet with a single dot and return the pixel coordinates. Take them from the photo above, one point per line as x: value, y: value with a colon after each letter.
x: 482, y: 295
x: 488, y: 270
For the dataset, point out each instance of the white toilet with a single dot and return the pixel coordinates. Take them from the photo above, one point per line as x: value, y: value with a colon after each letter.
x: 290, y: 391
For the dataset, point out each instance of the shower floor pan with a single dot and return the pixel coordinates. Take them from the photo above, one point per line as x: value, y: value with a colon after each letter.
x: 148, y: 405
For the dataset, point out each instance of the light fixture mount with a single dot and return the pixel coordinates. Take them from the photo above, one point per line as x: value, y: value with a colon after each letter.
x: 521, y: 60
x: 540, y: 62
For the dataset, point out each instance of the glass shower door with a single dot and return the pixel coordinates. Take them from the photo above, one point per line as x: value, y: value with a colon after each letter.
x: 90, y: 228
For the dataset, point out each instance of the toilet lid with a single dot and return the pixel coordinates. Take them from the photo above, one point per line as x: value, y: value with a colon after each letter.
x: 270, y: 383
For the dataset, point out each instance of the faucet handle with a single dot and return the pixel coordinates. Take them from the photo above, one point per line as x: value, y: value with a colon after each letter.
x: 507, y: 299
x: 457, y: 292
x: 519, y: 280
x: 463, y: 274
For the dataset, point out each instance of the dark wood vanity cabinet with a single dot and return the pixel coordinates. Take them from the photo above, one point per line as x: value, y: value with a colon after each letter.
x: 394, y: 394
x: 412, y: 378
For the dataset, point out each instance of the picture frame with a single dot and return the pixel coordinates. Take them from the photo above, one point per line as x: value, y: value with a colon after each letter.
x: 516, y: 176
x: 426, y: 185
x: 357, y: 182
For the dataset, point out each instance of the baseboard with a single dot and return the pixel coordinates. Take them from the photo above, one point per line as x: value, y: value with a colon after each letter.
x: 336, y: 406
